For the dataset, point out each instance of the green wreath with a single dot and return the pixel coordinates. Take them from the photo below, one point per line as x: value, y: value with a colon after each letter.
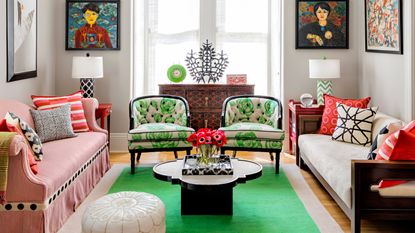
x: 176, y: 73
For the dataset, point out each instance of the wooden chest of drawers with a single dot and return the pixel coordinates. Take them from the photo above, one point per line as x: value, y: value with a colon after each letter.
x: 205, y: 100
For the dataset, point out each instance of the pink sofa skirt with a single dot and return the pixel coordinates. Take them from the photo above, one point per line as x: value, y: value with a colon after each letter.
x: 52, y: 218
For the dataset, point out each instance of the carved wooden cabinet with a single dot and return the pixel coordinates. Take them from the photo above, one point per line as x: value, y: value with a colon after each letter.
x: 205, y: 100
x: 302, y: 121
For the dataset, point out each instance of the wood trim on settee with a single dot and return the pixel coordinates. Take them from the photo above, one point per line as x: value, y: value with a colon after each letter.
x: 367, y: 204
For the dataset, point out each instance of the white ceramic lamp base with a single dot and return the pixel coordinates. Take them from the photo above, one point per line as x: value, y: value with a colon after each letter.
x: 323, y: 87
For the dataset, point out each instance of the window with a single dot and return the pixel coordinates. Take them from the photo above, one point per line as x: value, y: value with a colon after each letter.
x: 241, y: 28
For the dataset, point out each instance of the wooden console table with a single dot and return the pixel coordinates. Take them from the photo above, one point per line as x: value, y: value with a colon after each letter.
x: 302, y: 121
x: 205, y: 100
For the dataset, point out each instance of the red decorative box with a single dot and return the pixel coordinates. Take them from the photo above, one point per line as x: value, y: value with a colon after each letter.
x: 236, y: 79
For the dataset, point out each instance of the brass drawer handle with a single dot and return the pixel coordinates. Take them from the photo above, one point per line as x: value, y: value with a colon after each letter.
x: 206, y: 101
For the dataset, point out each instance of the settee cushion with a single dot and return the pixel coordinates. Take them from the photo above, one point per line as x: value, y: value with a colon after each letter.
x: 63, y: 158
x: 332, y: 159
x: 159, y: 135
x: 253, y: 135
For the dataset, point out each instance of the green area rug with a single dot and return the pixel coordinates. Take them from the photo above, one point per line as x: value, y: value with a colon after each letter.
x: 267, y: 204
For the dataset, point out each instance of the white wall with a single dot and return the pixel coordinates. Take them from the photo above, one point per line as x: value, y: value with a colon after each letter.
x: 115, y: 86
x: 387, y: 78
x: 295, y: 62
x: 44, y: 84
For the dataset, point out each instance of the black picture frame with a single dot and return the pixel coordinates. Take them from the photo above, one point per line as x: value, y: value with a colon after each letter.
x: 28, y: 45
x: 385, y: 49
x: 337, y: 34
x: 115, y: 23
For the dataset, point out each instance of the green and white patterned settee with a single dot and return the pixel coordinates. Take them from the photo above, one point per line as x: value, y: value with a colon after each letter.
x: 253, y: 123
x: 158, y: 123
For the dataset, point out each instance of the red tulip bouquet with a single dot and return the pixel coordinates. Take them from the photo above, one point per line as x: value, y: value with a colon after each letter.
x: 207, y: 142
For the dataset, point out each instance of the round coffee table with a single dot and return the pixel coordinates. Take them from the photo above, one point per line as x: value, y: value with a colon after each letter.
x: 207, y: 194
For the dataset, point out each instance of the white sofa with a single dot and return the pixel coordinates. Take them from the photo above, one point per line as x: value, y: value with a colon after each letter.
x: 333, y: 163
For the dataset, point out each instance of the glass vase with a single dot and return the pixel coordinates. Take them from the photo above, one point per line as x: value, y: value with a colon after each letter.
x: 206, y: 151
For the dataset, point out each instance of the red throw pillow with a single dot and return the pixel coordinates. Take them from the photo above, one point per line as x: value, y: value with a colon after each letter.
x: 398, y: 145
x: 329, y: 119
x: 5, y: 127
x: 78, y: 118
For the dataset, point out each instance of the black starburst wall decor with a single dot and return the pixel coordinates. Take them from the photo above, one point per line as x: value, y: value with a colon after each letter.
x: 208, y: 66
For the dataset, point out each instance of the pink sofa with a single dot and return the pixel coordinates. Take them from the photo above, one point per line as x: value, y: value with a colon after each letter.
x: 67, y: 174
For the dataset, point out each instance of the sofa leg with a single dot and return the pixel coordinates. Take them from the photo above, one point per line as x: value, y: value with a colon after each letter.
x: 271, y: 156
x: 234, y: 154
x: 188, y: 151
x: 175, y: 154
x: 355, y: 224
x: 132, y: 159
x: 277, y: 161
x: 222, y: 151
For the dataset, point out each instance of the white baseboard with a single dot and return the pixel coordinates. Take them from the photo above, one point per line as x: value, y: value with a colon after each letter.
x: 119, y: 143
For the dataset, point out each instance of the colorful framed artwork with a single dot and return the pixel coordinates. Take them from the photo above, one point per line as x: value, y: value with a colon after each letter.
x: 383, y: 19
x: 21, y: 39
x: 322, y: 24
x: 92, y: 25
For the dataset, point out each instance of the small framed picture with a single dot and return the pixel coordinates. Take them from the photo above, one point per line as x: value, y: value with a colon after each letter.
x: 322, y: 24
x: 383, y: 19
x: 236, y: 79
x: 92, y: 25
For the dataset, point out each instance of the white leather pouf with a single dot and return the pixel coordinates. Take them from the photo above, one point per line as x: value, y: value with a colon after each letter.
x: 125, y: 212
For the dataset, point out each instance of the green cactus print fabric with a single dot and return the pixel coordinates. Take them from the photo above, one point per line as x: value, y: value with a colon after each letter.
x: 158, y: 145
x: 253, y: 130
x: 158, y: 132
x: 254, y: 143
x: 159, y: 110
x: 257, y: 110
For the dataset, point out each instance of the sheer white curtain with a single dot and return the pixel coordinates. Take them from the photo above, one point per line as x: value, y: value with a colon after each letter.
x: 246, y: 30
x: 171, y: 29
x: 243, y: 33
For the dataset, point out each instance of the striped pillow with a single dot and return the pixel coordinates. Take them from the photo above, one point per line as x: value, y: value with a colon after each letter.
x: 78, y: 119
x: 386, y: 150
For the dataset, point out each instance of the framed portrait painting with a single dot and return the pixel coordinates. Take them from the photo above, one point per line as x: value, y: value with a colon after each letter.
x: 21, y: 39
x: 383, y: 19
x: 322, y: 24
x: 92, y: 25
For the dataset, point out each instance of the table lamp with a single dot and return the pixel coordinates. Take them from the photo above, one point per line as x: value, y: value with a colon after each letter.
x: 87, y: 69
x: 324, y: 70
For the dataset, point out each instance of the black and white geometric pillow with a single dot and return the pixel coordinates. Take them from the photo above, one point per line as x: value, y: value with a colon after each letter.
x: 354, y: 125
x: 30, y: 135
x: 382, y: 136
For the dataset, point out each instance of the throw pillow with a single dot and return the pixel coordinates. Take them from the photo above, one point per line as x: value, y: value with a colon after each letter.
x: 329, y: 119
x: 385, y: 151
x: 354, y: 125
x: 31, y: 136
x: 78, y: 118
x: 384, y: 133
x: 6, y: 127
x: 53, y: 124
x: 404, y: 148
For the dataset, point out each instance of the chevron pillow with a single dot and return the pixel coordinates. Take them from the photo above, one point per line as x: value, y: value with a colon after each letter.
x: 354, y: 125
